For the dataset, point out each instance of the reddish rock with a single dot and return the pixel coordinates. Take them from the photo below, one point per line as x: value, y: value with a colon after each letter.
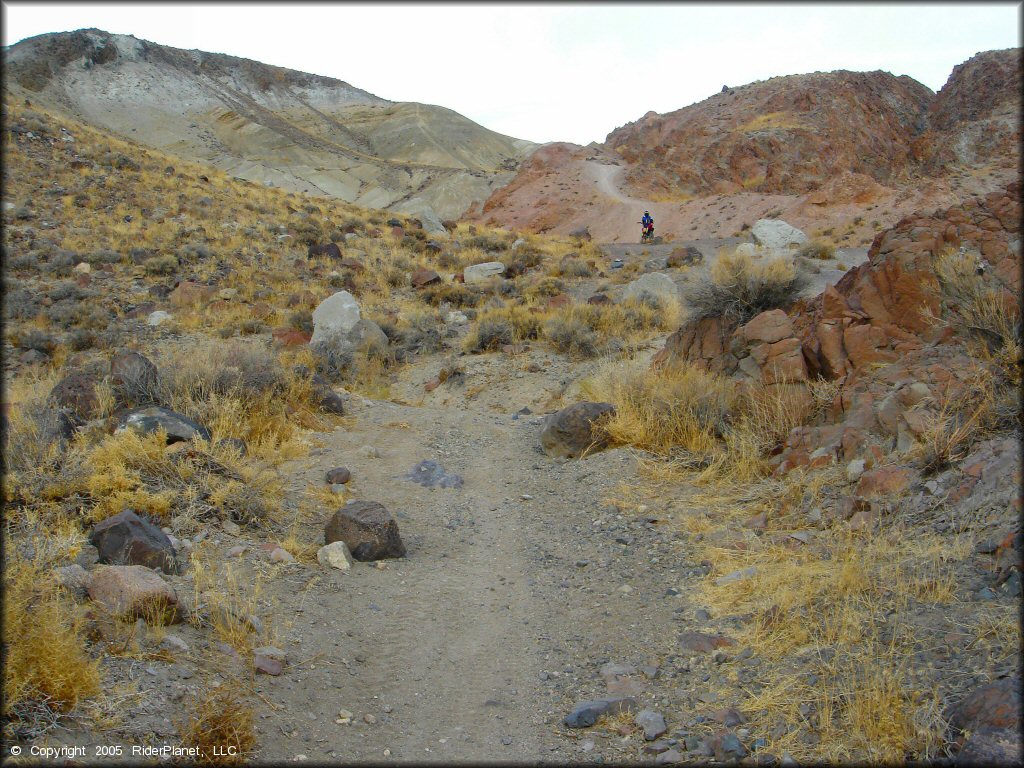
x: 884, y: 481
x: 352, y: 265
x: 433, y: 384
x: 598, y: 299
x: 189, y: 294
x: 995, y: 705
x: 866, y: 344
x: 769, y: 327
x: 339, y: 475
x: 290, y: 337
x: 422, y: 277
x: 397, y: 232
x: 558, y: 302
x: 785, y: 363
x: 700, y: 642
x: 76, y: 395
x: 133, y: 591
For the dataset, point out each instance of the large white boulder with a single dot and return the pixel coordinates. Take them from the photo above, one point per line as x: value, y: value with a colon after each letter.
x: 655, y: 285
x: 481, y: 273
x: 334, y: 318
x: 777, y: 235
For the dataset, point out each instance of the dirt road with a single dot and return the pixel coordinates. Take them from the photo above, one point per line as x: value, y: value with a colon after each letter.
x: 478, y: 643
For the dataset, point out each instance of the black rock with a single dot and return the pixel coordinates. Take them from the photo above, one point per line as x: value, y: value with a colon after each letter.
x: 127, y: 539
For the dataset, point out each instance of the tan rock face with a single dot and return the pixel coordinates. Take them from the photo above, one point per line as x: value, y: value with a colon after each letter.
x: 131, y: 591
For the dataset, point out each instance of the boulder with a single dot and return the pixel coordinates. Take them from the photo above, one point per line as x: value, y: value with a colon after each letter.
x: 151, y: 418
x: 482, y: 273
x: 431, y: 223
x: 768, y: 327
x: 338, y: 475
x: 369, y: 530
x: 127, y: 539
x: 575, y: 430
x: 132, y: 372
x: 335, y: 555
x: 586, y: 713
x: 334, y: 317
x: 655, y: 286
x: 331, y: 250
x: 684, y: 257
x: 652, y: 722
x: 75, y: 395
x: 776, y: 235
x: 133, y: 591
x: 158, y: 317
x: 992, y: 746
x: 189, y: 294
x: 995, y: 705
x: 423, y: 277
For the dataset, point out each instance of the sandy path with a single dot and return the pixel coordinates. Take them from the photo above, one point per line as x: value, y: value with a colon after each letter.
x: 448, y: 648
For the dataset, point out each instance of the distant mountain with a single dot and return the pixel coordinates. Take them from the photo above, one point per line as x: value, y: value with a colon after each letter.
x: 800, y: 143
x: 295, y: 130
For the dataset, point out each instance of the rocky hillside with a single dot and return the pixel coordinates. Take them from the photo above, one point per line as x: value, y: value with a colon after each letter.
x: 298, y: 131
x: 783, y: 135
x: 835, y: 151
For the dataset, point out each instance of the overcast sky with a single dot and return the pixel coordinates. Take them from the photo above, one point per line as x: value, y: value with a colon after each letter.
x: 555, y: 72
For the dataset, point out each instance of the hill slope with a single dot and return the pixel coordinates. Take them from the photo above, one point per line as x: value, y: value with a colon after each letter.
x: 832, y: 151
x: 294, y: 130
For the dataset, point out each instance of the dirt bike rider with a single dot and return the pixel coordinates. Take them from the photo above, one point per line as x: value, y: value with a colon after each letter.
x: 648, y: 224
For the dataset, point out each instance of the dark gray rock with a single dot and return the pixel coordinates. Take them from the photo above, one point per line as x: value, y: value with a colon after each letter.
x: 133, y: 378
x: 586, y: 713
x: 369, y: 530
x: 430, y: 474
x: 652, y: 722
x: 338, y: 476
x: 151, y: 418
x: 992, y: 746
x: 127, y: 539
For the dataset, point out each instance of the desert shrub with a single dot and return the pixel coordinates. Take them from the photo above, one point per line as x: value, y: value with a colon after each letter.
x: 23, y: 261
x: 46, y: 666
x: 81, y: 339
x: 454, y: 294
x: 161, y: 265
x: 69, y: 290
x: 546, y: 286
x: 497, y: 327
x: 219, y: 719
x: 103, y: 256
x: 739, y: 287
x: 37, y: 339
x: 816, y: 249
x: 193, y: 252
x: 572, y: 337
x: 490, y: 334
x: 421, y: 333
x: 662, y: 411
x: 20, y: 304
x: 573, y: 268
x: 487, y: 242
x: 251, y: 327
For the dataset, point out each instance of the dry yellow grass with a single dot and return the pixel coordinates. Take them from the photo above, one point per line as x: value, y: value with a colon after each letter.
x: 45, y: 661
x: 220, y: 724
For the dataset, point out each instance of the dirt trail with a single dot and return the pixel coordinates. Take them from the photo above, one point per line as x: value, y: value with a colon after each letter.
x: 477, y: 644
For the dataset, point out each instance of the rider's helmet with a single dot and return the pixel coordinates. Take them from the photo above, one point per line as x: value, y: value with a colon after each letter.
x: 647, y: 213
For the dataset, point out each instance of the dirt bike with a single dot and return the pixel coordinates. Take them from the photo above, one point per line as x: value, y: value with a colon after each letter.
x: 647, y: 233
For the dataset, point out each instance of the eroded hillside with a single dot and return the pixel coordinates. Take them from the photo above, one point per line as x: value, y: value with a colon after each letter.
x: 267, y: 124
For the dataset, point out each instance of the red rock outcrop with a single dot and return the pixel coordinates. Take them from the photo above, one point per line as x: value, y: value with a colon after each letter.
x: 881, y: 330
x: 784, y: 135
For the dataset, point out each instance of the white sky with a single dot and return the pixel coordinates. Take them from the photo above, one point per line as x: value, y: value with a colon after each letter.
x: 555, y: 72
